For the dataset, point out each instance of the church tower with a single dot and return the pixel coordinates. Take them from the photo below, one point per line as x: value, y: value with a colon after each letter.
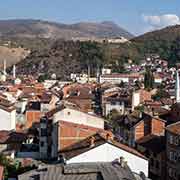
x: 177, y: 87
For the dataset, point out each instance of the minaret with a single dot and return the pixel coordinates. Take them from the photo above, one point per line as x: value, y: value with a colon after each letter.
x: 98, y: 74
x: 14, y: 71
x: 177, y: 87
x: 5, y: 67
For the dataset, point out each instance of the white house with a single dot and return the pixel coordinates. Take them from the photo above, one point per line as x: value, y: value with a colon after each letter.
x: 75, y: 116
x: 118, y: 78
x: 106, y: 71
x: 7, y: 114
x: 114, y: 105
x: 135, y: 99
x: 98, y: 149
x: 8, y: 118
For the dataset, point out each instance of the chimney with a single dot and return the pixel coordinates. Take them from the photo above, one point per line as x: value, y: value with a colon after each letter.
x: 122, y: 162
x: 142, y: 175
x: 108, y: 137
x: 92, y: 141
x: 140, y: 114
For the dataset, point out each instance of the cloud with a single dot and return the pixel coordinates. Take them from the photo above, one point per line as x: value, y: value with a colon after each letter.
x: 157, y: 22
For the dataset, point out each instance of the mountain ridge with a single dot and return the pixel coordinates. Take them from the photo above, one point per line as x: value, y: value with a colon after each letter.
x: 47, y: 29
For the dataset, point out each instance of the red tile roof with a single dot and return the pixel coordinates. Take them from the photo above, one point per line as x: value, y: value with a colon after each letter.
x: 71, y: 133
x: 174, y: 128
x: 7, y: 137
x: 85, y: 145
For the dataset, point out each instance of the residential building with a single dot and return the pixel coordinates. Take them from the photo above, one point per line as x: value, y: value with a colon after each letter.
x: 54, y: 135
x: 94, y: 171
x: 118, y: 78
x: 97, y: 148
x: 134, y: 126
x: 154, y: 148
x: 11, y: 142
x: 106, y: 71
x: 80, y: 95
x: 33, y: 113
x: 72, y: 115
x: 115, y: 99
x: 173, y: 151
x: 139, y: 97
x: 7, y: 114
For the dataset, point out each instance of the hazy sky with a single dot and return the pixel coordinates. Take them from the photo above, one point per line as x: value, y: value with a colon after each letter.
x: 137, y: 16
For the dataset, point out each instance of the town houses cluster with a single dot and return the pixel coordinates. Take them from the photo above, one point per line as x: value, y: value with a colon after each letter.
x: 106, y: 127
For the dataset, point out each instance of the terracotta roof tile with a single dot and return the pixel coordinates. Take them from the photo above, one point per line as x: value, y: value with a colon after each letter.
x: 174, y: 128
x: 7, y: 137
x: 85, y: 145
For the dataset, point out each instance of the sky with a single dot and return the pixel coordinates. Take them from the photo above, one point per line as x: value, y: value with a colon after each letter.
x: 136, y: 16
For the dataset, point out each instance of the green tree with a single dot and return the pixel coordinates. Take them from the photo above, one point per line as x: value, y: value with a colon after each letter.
x: 175, y: 52
x: 148, y: 79
x: 42, y: 78
x: 161, y: 93
x: 113, y: 117
x: 91, y: 56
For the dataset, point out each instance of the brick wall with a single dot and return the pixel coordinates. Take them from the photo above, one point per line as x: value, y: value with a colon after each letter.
x: 70, y: 133
x: 32, y: 117
x: 139, y: 131
x: 157, y: 127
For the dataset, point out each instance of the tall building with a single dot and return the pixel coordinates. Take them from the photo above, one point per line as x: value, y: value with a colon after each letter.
x: 177, y: 87
x: 173, y: 151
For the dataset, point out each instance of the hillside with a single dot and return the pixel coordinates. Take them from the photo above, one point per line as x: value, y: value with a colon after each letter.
x: 165, y: 42
x: 166, y: 34
x: 45, y: 29
x: 12, y: 55
x: 62, y: 58
x: 65, y: 57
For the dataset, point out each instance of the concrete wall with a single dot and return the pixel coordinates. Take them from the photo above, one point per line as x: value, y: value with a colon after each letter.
x: 7, y: 120
x: 114, y: 80
x: 157, y: 127
x: 108, y: 153
x: 34, y: 155
x: 135, y: 99
x: 119, y: 107
x: 139, y: 131
x: 71, y: 115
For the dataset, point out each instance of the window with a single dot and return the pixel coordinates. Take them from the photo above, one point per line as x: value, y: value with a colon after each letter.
x: 152, y: 162
x: 113, y: 103
x: 42, y: 143
x: 147, y: 153
x: 172, y: 172
x: 179, y: 177
x: 43, y: 132
x: 176, y: 140
x: 173, y: 156
x: 157, y: 164
x: 155, y: 155
x: 171, y: 139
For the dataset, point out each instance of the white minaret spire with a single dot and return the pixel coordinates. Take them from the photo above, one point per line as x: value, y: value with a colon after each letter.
x: 177, y: 87
x: 14, y: 71
x: 5, y: 67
